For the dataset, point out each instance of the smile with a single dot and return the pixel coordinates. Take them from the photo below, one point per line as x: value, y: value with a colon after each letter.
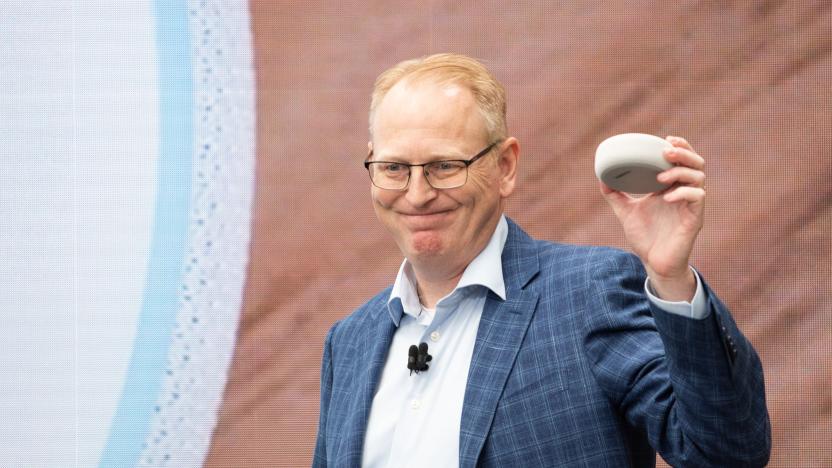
x: 425, y: 220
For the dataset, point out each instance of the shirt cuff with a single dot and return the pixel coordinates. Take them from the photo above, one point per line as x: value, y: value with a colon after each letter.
x: 696, y: 309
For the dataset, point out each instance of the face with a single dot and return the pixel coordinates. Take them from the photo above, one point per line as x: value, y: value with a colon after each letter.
x: 423, y: 122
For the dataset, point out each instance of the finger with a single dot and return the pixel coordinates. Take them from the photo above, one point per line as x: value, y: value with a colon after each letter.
x: 610, y: 192
x: 605, y: 189
x: 679, y: 142
x: 615, y: 198
x: 682, y: 176
x: 685, y: 193
x: 684, y: 157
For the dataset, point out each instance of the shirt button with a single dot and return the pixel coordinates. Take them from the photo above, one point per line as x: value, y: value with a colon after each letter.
x: 415, y: 404
x: 434, y: 336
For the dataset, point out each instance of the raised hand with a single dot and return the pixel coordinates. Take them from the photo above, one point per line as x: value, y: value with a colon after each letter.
x: 661, y: 227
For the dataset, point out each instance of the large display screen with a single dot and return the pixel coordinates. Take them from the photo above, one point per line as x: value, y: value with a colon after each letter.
x: 184, y: 212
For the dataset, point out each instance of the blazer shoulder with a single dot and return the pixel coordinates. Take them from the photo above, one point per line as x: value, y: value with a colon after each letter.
x: 531, y: 259
x: 571, y: 258
x: 362, y: 317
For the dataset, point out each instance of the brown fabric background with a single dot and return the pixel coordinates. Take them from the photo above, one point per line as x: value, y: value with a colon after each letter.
x: 747, y: 82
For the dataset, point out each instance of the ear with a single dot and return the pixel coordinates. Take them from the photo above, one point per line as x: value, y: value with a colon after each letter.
x: 507, y: 162
x: 369, y: 149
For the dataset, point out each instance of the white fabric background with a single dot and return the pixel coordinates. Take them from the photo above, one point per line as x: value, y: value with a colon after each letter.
x: 79, y: 123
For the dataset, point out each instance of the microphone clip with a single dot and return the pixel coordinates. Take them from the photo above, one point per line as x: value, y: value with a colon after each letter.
x: 418, y: 358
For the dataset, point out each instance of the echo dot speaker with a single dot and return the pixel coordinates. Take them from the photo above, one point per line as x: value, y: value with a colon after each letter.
x: 630, y: 162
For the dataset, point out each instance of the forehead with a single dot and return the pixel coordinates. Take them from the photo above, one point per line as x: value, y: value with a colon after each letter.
x: 428, y: 111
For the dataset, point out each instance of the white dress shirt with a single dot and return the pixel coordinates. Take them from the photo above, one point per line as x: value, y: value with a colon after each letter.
x: 415, y: 419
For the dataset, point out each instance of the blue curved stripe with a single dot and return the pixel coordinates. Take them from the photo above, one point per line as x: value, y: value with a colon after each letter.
x: 160, y: 305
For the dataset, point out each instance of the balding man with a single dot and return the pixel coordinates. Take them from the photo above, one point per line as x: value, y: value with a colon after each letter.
x: 543, y: 354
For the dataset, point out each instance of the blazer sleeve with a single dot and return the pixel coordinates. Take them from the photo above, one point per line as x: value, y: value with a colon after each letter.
x: 320, y: 456
x: 695, y: 387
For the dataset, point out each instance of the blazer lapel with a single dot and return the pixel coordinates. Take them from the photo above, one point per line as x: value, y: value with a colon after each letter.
x: 501, y: 331
x: 368, y: 373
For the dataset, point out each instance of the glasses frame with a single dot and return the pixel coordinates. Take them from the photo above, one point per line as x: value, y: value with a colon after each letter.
x: 410, y: 167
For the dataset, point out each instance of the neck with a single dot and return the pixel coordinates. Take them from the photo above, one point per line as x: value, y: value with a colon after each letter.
x: 431, y: 288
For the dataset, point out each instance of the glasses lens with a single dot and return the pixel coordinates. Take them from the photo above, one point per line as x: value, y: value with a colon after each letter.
x: 389, y: 175
x: 447, y: 174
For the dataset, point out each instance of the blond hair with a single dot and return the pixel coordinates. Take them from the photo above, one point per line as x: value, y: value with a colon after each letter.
x: 443, y: 69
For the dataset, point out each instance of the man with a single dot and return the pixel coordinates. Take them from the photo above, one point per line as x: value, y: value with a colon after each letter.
x: 543, y: 354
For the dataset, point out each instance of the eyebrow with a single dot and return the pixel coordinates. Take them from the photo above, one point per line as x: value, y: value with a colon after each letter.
x: 429, y: 158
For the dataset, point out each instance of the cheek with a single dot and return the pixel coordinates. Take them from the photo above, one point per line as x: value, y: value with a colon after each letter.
x: 381, y: 199
x: 481, y: 188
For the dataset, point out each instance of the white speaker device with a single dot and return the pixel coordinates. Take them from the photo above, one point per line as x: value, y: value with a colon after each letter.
x: 630, y: 162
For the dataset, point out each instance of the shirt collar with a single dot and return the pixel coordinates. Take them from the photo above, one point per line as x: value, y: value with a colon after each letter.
x: 485, y: 270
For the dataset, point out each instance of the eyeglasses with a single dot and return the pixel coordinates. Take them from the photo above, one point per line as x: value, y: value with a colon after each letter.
x: 445, y: 174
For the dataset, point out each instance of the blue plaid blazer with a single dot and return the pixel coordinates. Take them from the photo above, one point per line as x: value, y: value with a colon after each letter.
x: 574, y: 368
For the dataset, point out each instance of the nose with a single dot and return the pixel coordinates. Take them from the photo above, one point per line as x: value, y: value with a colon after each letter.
x: 419, y: 191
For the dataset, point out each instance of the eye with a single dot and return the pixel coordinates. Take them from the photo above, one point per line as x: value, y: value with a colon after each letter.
x: 446, y: 166
x: 393, y: 168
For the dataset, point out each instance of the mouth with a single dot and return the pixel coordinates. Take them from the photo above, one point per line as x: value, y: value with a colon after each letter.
x: 424, y: 221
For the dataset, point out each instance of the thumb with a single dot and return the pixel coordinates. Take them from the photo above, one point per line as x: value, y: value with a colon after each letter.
x: 613, y: 197
x: 618, y: 201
